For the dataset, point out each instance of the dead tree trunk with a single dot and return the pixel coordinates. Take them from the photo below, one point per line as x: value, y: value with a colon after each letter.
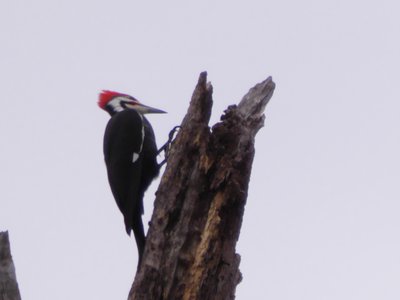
x: 190, y: 247
x: 8, y: 281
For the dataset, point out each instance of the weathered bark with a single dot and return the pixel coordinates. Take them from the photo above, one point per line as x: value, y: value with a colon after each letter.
x: 8, y: 281
x: 190, y: 247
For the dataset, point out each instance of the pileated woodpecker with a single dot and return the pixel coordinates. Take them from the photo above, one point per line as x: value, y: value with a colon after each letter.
x: 130, y: 152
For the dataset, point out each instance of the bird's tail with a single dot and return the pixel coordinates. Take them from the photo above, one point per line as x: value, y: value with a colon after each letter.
x: 140, y: 238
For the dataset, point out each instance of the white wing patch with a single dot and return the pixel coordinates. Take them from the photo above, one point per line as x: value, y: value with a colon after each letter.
x: 135, y: 157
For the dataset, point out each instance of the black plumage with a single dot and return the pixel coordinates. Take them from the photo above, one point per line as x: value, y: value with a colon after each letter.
x: 130, y: 153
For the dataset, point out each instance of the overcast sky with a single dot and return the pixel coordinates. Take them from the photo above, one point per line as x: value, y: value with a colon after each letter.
x: 322, y: 217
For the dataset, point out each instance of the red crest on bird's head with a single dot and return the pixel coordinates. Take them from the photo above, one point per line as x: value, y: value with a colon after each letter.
x: 106, y: 96
x: 114, y: 102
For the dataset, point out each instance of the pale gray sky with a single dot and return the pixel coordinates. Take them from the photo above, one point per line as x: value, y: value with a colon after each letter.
x: 322, y: 218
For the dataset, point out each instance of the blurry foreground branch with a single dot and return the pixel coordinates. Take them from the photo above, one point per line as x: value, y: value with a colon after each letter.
x: 190, y: 246
x: 8, y: 281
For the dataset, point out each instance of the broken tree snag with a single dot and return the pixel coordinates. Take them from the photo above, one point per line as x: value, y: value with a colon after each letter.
x: 190, y: 245
x: 8, y: 280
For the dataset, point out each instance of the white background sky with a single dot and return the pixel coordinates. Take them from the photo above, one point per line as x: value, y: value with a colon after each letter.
x: 322, y: 218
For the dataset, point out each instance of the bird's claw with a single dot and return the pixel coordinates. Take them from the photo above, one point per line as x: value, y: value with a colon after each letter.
x: 167, y: 146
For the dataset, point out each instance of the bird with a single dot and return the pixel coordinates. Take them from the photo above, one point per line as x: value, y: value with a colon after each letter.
x: 130, y: 154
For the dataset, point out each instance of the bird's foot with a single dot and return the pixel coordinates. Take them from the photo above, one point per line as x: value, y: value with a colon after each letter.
x: 167, y: 146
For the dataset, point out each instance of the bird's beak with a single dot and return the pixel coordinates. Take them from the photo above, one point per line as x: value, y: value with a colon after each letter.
x: 144, y: 109
x: 152, y: 110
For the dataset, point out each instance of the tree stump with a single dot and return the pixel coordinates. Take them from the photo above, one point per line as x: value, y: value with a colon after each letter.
x: 8, y: 280
x: 198, y: 210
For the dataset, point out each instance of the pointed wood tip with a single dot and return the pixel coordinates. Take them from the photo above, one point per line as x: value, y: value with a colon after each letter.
x: 4, y: 245
x: 254, y: 102
x: 203, y: 77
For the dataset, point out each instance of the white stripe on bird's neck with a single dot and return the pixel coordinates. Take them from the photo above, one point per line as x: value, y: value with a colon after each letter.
x: 135, y: 155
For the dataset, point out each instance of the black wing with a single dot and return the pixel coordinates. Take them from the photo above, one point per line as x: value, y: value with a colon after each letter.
x: 123, y: 142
